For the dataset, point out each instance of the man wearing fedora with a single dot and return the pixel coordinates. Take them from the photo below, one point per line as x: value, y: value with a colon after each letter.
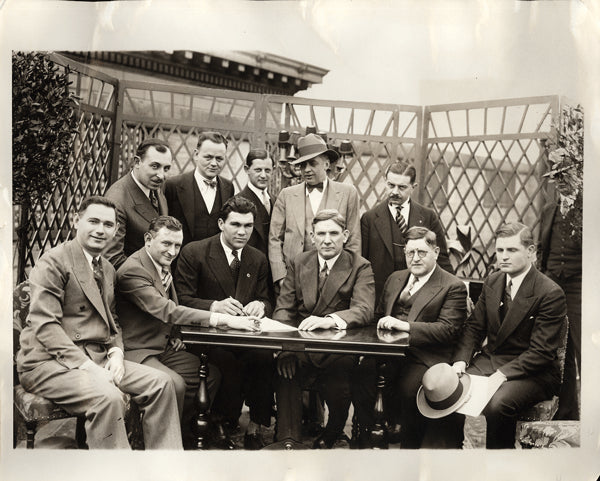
x: 296, y: 206
x: 430, y: 305
x: 522, y: 313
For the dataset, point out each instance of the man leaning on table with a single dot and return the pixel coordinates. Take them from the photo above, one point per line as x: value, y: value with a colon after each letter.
x: 522, y: 313
x: 430, y: 305
x: 327, y: 288
x: 150, y: 315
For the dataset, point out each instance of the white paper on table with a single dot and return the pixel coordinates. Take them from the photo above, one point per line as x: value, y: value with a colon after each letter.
x: 482, y: 390
x: 271, y: 325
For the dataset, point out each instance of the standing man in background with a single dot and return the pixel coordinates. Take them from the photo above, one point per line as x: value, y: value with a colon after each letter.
x: 195, y: 197
x: 384, y: 227
x: 139, y: 198
x: 296, y: 206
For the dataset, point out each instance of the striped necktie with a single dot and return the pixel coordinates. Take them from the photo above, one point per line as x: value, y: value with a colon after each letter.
x: 400, y: 222
x: 98, y: 273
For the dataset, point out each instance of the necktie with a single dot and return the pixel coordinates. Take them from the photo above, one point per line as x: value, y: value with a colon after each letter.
x: 166, y: 278
x: 406, y: 294
x: 211, y: 183
x: 98, y: 274
x: 154, y: 200
x: 323, y: 273
x: 265, y: 200
x: 506, y: 298
x: 400, y: 220
x: 235, y: 265
x: 318, y: 186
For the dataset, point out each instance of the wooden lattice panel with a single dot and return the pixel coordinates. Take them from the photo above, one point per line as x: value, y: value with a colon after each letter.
x: 483, y: 166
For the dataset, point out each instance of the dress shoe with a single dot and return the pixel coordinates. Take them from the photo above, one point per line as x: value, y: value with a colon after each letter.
x: 253, y: 442
x: 324, y: 441
x: 219, y: 439
x: 393, y: 434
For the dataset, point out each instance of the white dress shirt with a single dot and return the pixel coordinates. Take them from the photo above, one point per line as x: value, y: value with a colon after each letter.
x: 262, y: 194
x: 516, y: 282
x: 315, y: 197
x: 339, y: 322
x: 404, y: 212
x: 209, y: 194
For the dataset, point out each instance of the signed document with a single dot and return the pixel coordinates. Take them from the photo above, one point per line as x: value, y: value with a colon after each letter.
x: 270, y: 325
x: 482, y: 390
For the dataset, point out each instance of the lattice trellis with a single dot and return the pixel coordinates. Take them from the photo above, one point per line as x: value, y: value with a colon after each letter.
x: 483, y: 166
x: 51, y: 222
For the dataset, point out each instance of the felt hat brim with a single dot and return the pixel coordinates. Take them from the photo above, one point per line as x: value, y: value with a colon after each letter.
x: 426, y: 410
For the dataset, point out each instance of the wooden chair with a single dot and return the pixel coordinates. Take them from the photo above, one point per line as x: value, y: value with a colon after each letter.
x: 33, y: 409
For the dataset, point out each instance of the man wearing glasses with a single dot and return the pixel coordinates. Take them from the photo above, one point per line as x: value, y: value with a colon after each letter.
x: 430, y: 305
x: 196, y: 197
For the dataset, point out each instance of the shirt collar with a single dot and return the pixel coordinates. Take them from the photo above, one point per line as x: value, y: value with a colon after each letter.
x: 145, y: 190
x: 425, y: 278
x: 330, y: 262
x: 228, y: 250
x: 88, y: 256
x: 405, y: 208
x: 156, y: 264
x: 200, y: 179
x: 517, y: 281
x: 324, y: 187
x: 257, y: 191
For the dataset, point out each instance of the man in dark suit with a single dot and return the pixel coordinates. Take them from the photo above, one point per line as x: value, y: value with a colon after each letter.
x: 291, y: 222
x: 522, y: 313
x: 139, y: 198
x: 384, y: 227
x: 430, y: 305
x: 150, y: 315
x: 195, y: 198
x: 223, y: 274
x: 72, y: 348
x: 560, y: 253
x: 259, y: 167
x: 327, y: 288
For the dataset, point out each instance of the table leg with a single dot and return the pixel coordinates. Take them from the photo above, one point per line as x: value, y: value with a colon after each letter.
x: 379, y: 432
x: 200, y: 427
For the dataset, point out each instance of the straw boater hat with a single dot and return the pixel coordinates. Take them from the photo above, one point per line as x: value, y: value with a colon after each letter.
x: 310, y: 146
x: 442, y: 391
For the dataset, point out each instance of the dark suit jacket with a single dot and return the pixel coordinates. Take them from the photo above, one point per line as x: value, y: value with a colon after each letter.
x: 179, y: 191
x: 203, y: 275
x: 260, y: 235
x: 148, y: 313
x: 549, y: 212
x: 349, y: 290
x: 436, y: 317
x: 377, y: 246
x: 525, y: 344
x: 68, y: 318
x: 134, y: 213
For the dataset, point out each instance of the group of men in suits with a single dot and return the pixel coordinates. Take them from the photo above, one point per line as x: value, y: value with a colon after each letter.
x: 297, y: 259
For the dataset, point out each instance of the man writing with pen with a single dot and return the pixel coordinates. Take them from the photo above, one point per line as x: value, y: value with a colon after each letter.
x: 223, y: 274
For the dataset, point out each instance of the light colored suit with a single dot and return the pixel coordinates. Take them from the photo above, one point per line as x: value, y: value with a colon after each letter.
x: 287, y: 231
x: 134, y: 214
x: 69, y: 322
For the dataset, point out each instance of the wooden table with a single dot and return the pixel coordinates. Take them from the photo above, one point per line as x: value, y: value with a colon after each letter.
x: 359, y: 341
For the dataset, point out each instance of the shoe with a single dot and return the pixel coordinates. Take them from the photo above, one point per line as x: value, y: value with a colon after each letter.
x: 219, y: 439
x: 253, y: 442
x: 324, y: 441
x: 393, y: 434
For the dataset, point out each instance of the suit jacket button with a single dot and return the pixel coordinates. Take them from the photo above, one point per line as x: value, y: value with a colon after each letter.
x: 77, y: 336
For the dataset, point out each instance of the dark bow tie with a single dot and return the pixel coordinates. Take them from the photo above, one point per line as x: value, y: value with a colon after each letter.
x: 211, y: 183
x: 318, y: 186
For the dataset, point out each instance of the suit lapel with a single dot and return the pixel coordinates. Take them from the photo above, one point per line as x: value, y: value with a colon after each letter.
x: 185, y: 194
x: 298, y: 205
x: 85, y: 277
x: 151, y: 268
x: 395, y: 289
x: 425, y: 294
x: 141, y: 203
x: 415, y: 215
x: 333, y: 196
x: 519, y: 307
x: 337, y: 276
x: 219, y: 266
x: 261, y: 212
x: 383, y: 226
x: 163, y: 209
x: 309, y: 272
x: 247, y: 276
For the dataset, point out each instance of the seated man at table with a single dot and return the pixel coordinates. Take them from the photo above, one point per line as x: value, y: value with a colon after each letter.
x: 148, y: 308
x: 72, y: 347
x: 522, y: 313
x: 223, y: 274
x: 326, y: 288
x: 430, y: 305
